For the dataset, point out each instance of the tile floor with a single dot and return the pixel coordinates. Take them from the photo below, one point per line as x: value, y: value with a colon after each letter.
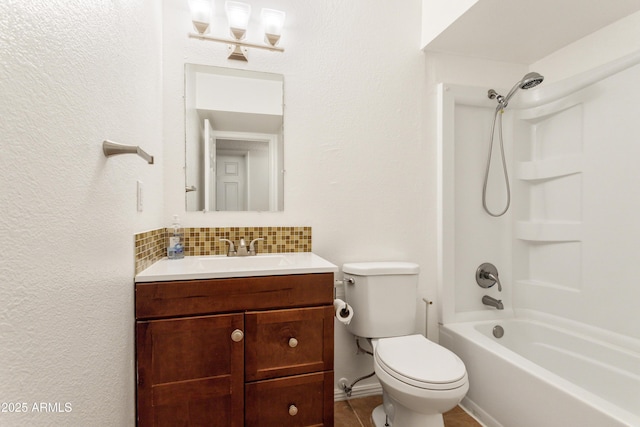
x: 357, y: 413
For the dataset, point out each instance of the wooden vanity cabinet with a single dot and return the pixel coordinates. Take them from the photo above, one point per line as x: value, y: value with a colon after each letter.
x: 254, y: 351
x: 189, y: 371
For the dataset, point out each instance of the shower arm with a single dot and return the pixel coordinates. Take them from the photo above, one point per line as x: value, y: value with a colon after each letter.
x: 502, y: 103
x: 528, y: 81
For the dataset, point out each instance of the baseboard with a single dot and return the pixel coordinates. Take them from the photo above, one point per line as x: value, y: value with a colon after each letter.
x: 478, y: 414
x: 358, y: 391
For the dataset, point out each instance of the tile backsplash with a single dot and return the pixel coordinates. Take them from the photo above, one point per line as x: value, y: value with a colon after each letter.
x: 151, y: 246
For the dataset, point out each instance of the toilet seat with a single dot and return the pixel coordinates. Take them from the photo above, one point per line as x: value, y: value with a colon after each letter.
x: 415, y: 360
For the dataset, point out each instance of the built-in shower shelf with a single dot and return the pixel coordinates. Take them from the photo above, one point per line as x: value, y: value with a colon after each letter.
x: 549, y: 231
x: 549, y: 168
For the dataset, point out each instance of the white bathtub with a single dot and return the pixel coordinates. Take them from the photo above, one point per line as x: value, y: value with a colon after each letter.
x: 547, y: 372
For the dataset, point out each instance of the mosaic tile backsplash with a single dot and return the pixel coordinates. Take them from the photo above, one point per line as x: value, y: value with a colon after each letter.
x: 151, y: 246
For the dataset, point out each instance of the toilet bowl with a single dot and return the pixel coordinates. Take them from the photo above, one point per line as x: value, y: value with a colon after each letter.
x: 421, y: 380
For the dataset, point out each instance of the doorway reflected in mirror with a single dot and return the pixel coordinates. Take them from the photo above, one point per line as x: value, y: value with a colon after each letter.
x: 234, y: 145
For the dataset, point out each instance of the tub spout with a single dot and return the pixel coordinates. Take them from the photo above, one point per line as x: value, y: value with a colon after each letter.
x: 497, y: 303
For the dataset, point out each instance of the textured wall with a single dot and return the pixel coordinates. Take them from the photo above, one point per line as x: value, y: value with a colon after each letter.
x: 357, y: 170
x: 359, y: 157
x: 72, y: 74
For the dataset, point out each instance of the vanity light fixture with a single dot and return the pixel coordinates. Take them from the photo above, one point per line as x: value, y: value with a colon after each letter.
x: 201, y: 11
x: 273, y: 21
x: 238, y: 15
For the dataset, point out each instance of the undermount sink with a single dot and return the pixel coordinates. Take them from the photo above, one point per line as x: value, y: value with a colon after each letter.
x: 220, y: 266
x: 243, y: 262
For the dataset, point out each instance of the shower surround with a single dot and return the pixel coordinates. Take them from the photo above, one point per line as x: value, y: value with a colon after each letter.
x: 568, y: 246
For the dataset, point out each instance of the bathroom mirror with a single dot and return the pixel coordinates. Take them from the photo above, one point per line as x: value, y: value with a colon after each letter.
x: 233, y: 139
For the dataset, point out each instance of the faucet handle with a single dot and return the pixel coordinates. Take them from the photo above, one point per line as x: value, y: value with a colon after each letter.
x: 232, y: 248
x: 252, y: 248
x: 495, y: 279
x: 487, y: 276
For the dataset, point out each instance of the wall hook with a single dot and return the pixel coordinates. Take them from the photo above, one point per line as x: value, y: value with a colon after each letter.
x: 110, y: 148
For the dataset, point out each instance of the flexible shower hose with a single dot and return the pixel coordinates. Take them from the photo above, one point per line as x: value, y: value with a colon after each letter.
x: 504, y: 165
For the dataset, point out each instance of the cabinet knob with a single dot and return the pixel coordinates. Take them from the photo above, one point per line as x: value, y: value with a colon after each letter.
x: 237, y: 335
x: 293, y: 342
x: 293, y: 410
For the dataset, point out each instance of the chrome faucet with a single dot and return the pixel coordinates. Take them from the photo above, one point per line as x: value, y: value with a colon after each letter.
x: 242, y: 247
x: 497, y: 303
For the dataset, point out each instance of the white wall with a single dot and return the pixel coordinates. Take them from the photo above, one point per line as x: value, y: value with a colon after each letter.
x: 357, y: 168
x: 593, y: 283
x: 578, y: 238
x: 72, y: 75
x: 612, y: 42
x: 437, y: 15
x: 606, y: 292
x: 473, y: 242
x: 462, y: 70
x: 359, y: 153
x: 360, y: 160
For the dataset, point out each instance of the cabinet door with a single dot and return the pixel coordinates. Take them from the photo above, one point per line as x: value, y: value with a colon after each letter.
x: 298, y: 401
x: 190, y: 372
x: 288, y: 342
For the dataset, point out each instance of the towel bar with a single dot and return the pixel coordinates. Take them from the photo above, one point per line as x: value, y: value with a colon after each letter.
x: 110, y: 148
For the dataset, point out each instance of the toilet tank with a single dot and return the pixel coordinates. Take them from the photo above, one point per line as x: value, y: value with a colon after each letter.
x: 383, y: 297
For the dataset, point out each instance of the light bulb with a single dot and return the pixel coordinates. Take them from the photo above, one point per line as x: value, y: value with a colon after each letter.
x: 200, y: 14
x: 273, y: 21
x: 238, y: 14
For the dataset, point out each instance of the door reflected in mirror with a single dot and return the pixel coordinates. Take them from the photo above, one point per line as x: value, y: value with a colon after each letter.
x: 234, y: 147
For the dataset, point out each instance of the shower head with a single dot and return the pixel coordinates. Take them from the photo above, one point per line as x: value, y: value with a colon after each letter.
x: 528, y: 81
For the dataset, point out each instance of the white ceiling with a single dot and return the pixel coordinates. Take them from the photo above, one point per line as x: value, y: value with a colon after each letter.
x: 526, y: 31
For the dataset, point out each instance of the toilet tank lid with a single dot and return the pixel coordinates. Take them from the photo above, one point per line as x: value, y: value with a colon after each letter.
x: 380, y: 268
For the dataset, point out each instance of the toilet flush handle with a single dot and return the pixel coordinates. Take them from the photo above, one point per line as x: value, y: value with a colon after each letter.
x: 349, y: 280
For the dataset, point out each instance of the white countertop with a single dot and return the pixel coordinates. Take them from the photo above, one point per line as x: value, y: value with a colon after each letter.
x: 221, y: 266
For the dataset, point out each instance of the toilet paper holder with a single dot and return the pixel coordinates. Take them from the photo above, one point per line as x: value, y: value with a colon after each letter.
x: 344, y: 311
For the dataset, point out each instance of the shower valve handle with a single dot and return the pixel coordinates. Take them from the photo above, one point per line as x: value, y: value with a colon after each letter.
x: 494, y: 278
x: 487, y: 276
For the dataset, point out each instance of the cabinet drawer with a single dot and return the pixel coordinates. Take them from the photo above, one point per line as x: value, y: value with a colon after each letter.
x: 288, y: 342
x: 156, y: 300
x: 303, y: 400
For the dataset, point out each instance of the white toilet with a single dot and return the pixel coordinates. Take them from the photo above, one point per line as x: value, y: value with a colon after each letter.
x: 420, y: 379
